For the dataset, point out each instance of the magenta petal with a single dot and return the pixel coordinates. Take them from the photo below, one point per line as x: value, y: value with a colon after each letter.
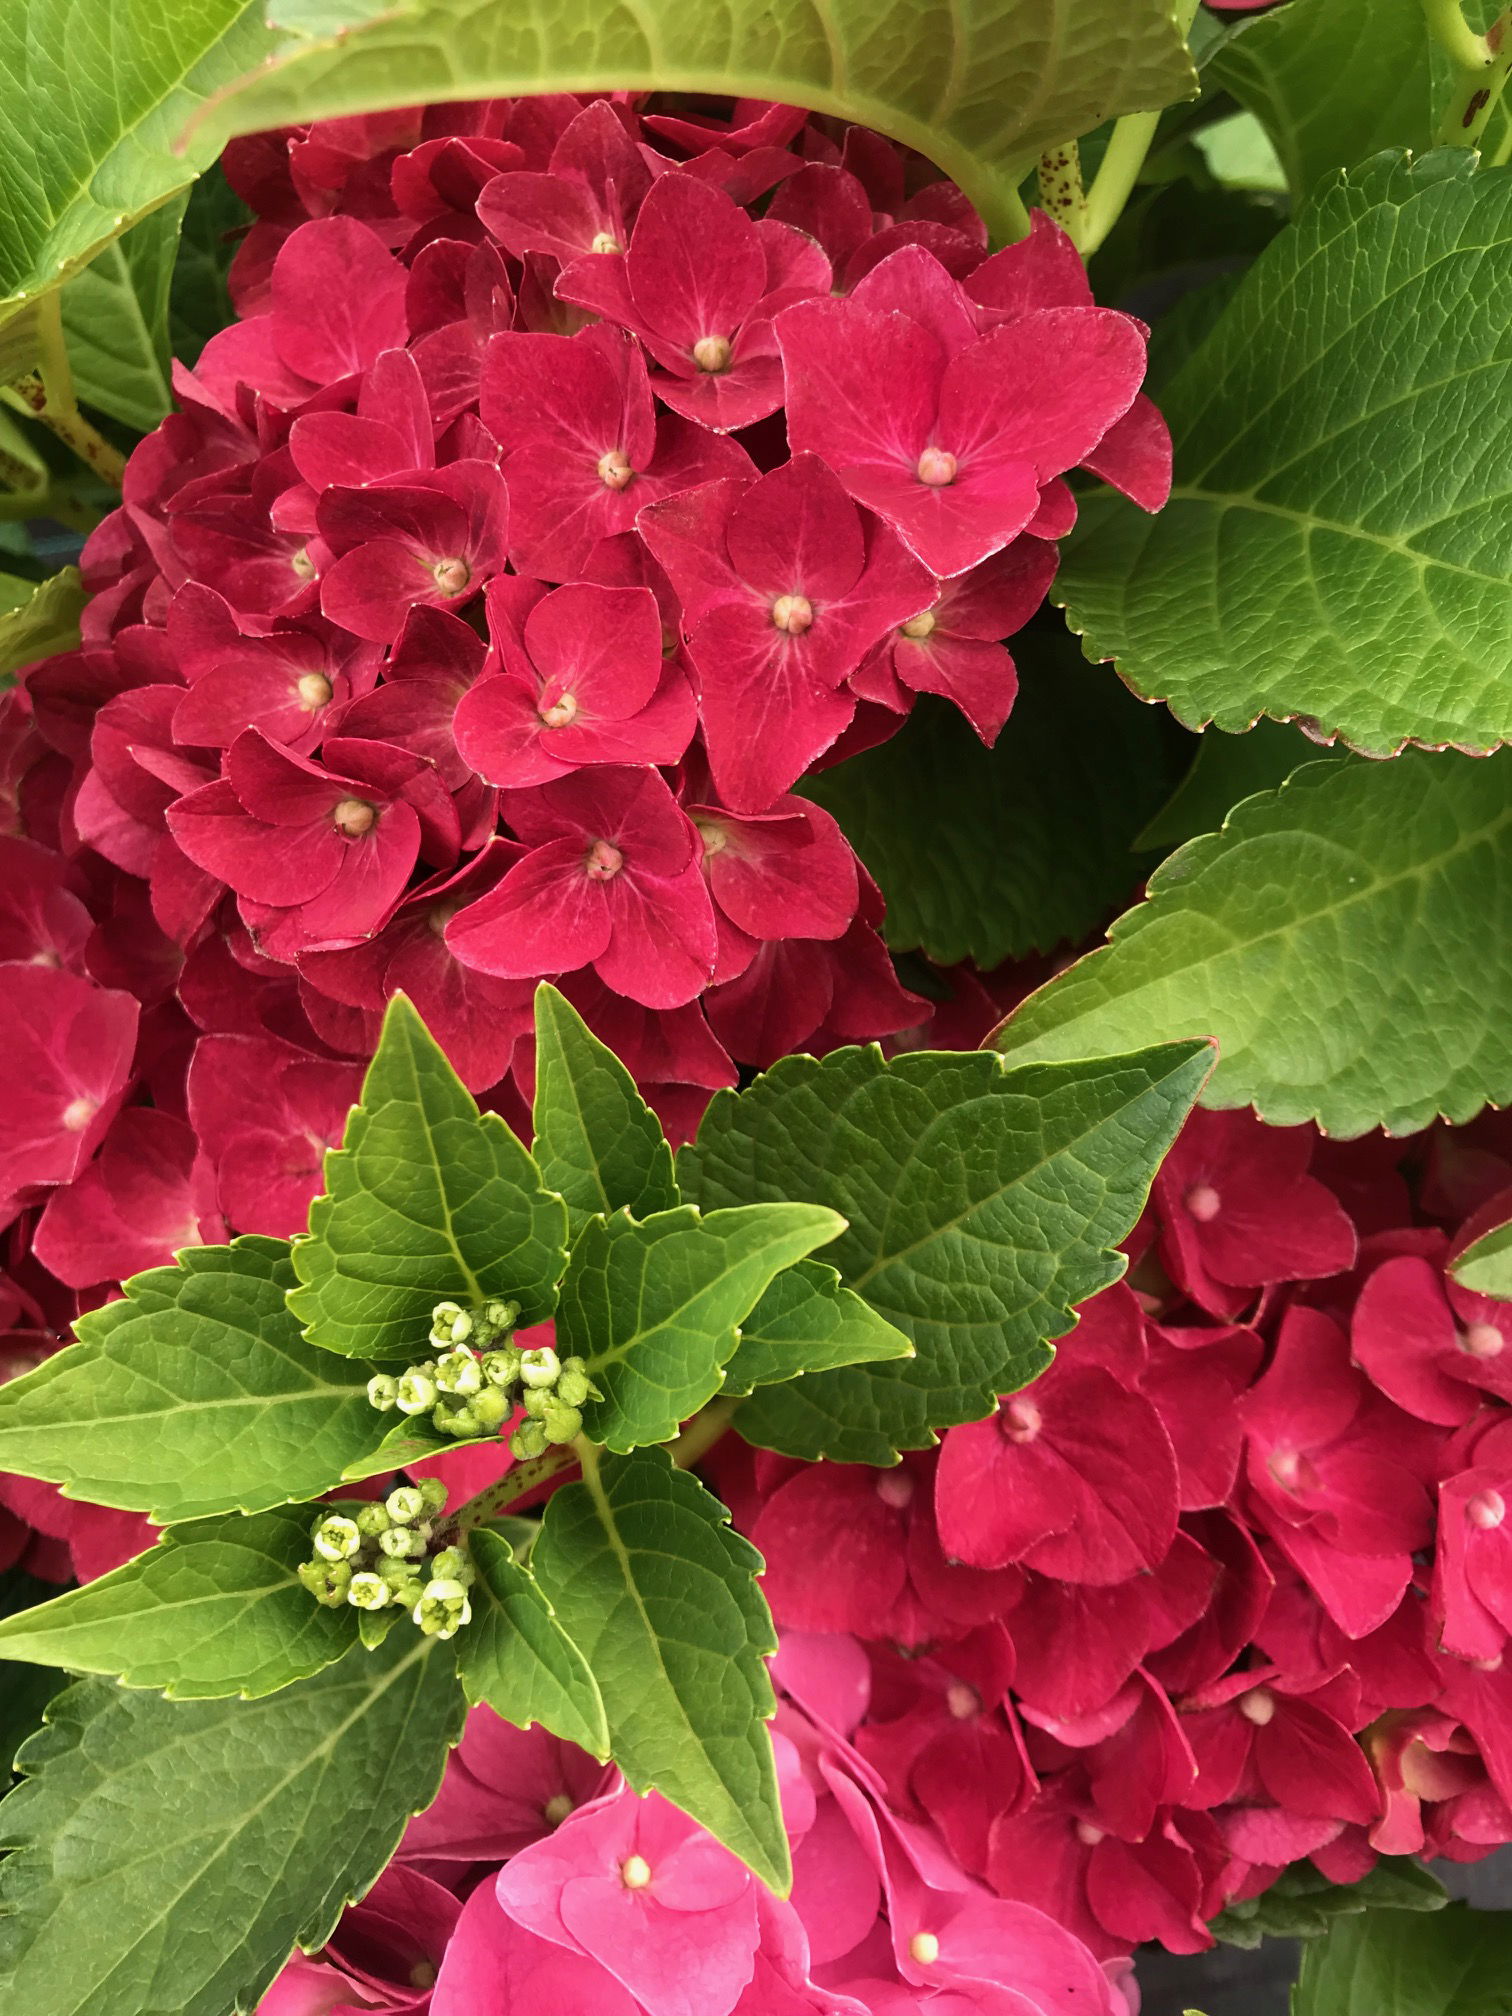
x: 370, y: 879
x: 540, y: 213
x: 1044, y: 389
x: 498, y: 727
x: 602, y: 647
x: 862, y: 388
x: 912, y: 282
x: 1044, y: 270
x: 587, y: 391
x: 765, y: 716
x: 546, y: 916
x: 372, y: 589
x: 338, y: 299
x: 952, y: 526
x: 1135, y: 455
x: 796, y: 532
x: 663, y: 944
x: 494, y: 1967
x: 686, y: 533
x: 695, y: 263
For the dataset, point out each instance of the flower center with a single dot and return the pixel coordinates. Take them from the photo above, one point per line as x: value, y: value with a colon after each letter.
x: 635, y: 1872
x: 937, y: 467
x: 1291, y: 1470
x: 303, y: 565
x: 605, y: 241
x: 314, y: 690
x: 78, y: 1113
x: 561, y: 713
x: 1203, y: 1203
x: 614, y: 471
x: 556, y: 1809
x: 714, y: 836
x: 422, y: 1975
x: 354, y: 817
x: 962, y: 1701
x: 1483, y: 1340
x: 924, y: 1948
x: 1021, y: 1421
x: 1088, y: 1835
x: 1486, y: 1509
x: 793, y: 613
x: 712, y: 354
x: 895, y: 1488
x: 451, y: 576
x: 921, y: 626
x: 604, y: 861
x: 1258, y: 1706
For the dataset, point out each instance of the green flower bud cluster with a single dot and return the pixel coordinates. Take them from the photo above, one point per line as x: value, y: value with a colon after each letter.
x: 379, y: 1555
x: 480, y: 1377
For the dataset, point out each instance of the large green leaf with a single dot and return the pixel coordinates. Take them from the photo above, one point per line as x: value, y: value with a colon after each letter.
x: 168, y: 1854
x: 38, y: 619
x: 980, y: 86
x: 1332, y: 81
x: 115, y: 317
x: 1338, y: 547
x: 806, y: 1322
x: 1225, y: 769
x: 983, y: 1204
x: 654, y: 1307
x: 988, y: 854
x: 641, y: 1567
x: 597, y: 1142
x: 427, y: 1200
x: 196, y: 1394
x: 94, y: 97
x: 1394, y: 1963
x: 214, y: 1609
x: 1343, y: 938
x: 515, y: 1655
x: 1302, y: 1903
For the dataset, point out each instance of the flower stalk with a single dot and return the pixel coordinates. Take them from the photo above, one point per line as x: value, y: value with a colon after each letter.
x: 1481, y: 66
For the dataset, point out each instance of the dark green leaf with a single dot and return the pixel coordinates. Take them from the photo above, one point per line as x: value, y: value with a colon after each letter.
x: 24, y: 1690
x: 200, y: 303
x: 196, y: 1394
x: 1301, y: 1903
x: 654, y: 1307
x: 168, y: 1854
x: 1226, y: 769
x: 1391, y: 1963
x: 806, y: 1322
x: 1341, y: 938
x: 644, y: 1574
x: 597, y: 1142
x: 983, y: 1205
x: 427, y: 1200
x: 515, y: 1655
x: 115, y: 317
x: 214, y: 1609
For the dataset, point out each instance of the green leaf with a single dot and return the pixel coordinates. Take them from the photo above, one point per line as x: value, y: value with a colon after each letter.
x: 988, y: 854
x: 24, y: 1690
x: 1338, y: 546
x: 213, y: 1609
x: 196, y: 1394
x: 1458, y: 1963
x: 981, y: 87
x: 115, y: 317
x: 806, y: 1322
x: 983, y: 1205
x: 1332, y: 81
x: 597, y: 1142
x: 654, y: 1307
x: 427, y: 1200
x: 1341, y: 940
x: 200, y: 303
x: 1226, y: 769
x: 415, y: 1440
x: 646, y: 1577
x: 1302, y: 1903
x: 94, y: 96
x: 168, y: 1854
x: 515, y: 1655
x: 1485, y: 1267
x: 36, y: 621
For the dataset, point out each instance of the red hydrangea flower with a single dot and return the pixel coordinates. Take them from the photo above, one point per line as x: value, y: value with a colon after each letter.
x: 148, y: 1192
x: 265, y: 1112
x: 434, y: 540
x: 586, y: 199
x: 67, y: 1064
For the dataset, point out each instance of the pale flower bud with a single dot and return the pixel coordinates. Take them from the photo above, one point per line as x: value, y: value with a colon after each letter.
x: 458, y: 1372
x: 372, y: 1520
x: 405, y: 1504
x: 502, y: 1368
x: 337, y: 1539
x: 573, y: 1384
x: 561, y: 1423
x: 540, y: 1367
x: 432, y: 1494
x: 368, y: 1592
x: 528, y: 1440
x: 417, y: 1392
x: 453, y: 1565
x: 401, y: 1543
x: 443, y: 1608
x: 383, y: 1392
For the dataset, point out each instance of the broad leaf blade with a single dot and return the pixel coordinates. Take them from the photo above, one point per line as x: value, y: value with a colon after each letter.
x: 1341, y: 938
x: 597, y: 1142
x: 115, y: 317
x: 1485, y: 1267
x: 1456, y: 1963
x: 646, y: 1577
x: 168, y: 1854
x: 983, y: 1205
x: 196, y: 1394
x: 654, y: 1307
x: 806, y: 1322
x: 1225, y: 770
x: 427, y: 1200
x: 213, y: 1610
x: 1338, y: 546
x: 515, y: 1656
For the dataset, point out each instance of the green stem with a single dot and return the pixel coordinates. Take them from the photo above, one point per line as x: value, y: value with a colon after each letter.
x: 1060, y: 189
x: 1482, y: 64
x: 47, y: 393
x: 61, y: 505
x: 1447, y: 25
x: 1128, y: 148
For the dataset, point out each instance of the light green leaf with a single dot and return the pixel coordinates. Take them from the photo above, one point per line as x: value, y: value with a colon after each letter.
x: 1485, y: 1267
x: 515, y: 1656
x: 983, y: 1206
x: 981, y: 86
x: 1393, y: 1963
x: 427, y: 1200
x: 806, y: 1322
x: 214, y: 1609
x: 654, y: 1307
x: 115, y: 318
x: 196, y: 1394
x: 597, y: 1142
x: 1340, y: 938
x: 1331, y: 81
x: 94, y: 96
x: 1226, y: 769
x: 1338, y: 548
x: 646, y: 1577
x: 37, y: 620
x: 168, y: 1854
x: 1302, y: 1903
x: 989, y: 854
x: 415, y: 1440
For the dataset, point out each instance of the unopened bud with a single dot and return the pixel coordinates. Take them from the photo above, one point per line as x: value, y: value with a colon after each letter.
x: 501, y: 1368
x: 500, y: 1314
x: 337, y: 1539
x: 528, y: 1440
x: 443, y: 1608
x: 401, y: 1543
x: 537, y: 1399
x: 712, y: 353
x: 453, y: 1565
x: 457, y: 1422
x: 605, y: 241
x: 327, y: 1581
x: 450, y: 1323
x: 405, y: 1504
x: 417, y: 1392
x: 432, y: 1494
x: 383, y: 1392
x: 561, y: 1423
x: 372, y: 1520
x: 368, y: 1591
x: 573, y: 1384
x: 540, y: 1367
x: 490, y: 1409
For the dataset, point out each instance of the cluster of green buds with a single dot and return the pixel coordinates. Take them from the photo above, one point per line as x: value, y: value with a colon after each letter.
x: 479, y: 1377
x: 379, y: 1557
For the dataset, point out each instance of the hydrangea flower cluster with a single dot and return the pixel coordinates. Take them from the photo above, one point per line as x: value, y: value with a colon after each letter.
x: 378, y: 1556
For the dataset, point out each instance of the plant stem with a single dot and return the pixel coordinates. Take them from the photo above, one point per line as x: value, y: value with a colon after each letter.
x: 1060, y: 189
x: 1482, y: 64
x: 701, y: 1433
x: 1118, y: 172
x: 1447, y: 25
x: 47, y: 393
x: 44, y: 502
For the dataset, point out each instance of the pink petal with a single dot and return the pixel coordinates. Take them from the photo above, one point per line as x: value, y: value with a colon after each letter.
x: 546, y: 916
x: 338, y: 299
x: 1135, y: 455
